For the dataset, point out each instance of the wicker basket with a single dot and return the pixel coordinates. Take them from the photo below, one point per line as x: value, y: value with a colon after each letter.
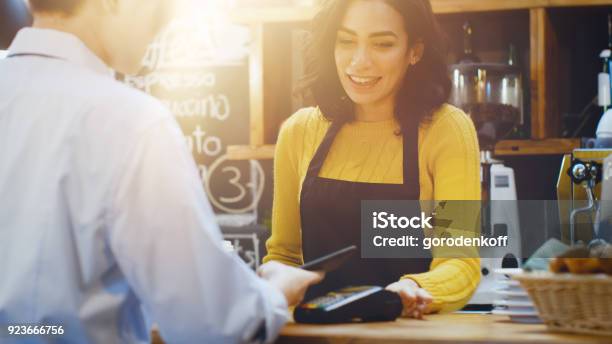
x: 571, y: 303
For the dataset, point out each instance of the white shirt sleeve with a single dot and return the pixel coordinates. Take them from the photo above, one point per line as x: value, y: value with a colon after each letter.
x: 165, y: 239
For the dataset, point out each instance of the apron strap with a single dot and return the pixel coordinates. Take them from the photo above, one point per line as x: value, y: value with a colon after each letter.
x: 319, y: 158
x: 411, y: 160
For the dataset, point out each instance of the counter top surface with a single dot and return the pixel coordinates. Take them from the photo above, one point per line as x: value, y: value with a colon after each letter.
x: 436, y: 328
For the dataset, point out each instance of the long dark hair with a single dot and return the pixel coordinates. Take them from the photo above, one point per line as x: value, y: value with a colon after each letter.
x: 426, y: 85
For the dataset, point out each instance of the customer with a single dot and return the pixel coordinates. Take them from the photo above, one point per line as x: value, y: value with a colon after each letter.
x: 381, y: 131
x: 102, y: 212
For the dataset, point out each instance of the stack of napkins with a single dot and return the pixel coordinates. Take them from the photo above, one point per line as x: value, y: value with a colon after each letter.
x: 512, y: 300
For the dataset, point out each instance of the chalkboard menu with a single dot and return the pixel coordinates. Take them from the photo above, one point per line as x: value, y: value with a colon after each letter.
x: 202, y: 76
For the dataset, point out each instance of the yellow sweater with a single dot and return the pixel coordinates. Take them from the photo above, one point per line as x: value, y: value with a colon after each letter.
x: 371, y: 152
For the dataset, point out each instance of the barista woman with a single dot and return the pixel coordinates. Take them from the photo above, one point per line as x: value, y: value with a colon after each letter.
x: 381, y: 130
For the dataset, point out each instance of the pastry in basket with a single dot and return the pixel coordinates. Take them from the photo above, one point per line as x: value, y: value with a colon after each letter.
x: 581, y: 260
x: 557, y: 265
x: 583, y: 265
x: 606, y: 265
x: 604, y: 253
x: 560, y: 264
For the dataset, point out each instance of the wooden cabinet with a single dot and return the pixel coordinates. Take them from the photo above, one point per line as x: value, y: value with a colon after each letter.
x: 534, y: 25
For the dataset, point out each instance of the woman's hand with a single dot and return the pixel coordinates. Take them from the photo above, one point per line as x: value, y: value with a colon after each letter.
x: 414, y: 298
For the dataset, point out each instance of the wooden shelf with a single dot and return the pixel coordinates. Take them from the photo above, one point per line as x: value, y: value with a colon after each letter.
x: 304, y: 14
x: 536, y: 147
x: 502, y: 148
x: 264, y: 152
x: 569, y: 3
x: 457, y: 6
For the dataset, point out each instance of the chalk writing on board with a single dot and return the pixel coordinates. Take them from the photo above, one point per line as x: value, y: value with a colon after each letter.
x: 205, y: 85
x: 200, y: 142
x: 250, y: 255
x: 215, y: 106
x: 185, y: 45
x: 255, y: 185
x: 172, y: 81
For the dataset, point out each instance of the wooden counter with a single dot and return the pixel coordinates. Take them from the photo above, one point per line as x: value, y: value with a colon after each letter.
x: 445, y: 328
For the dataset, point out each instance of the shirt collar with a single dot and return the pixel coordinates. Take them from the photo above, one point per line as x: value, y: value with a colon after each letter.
x: 58, y: 44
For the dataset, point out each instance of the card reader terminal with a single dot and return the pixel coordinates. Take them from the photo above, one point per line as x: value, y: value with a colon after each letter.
x: 350, y: 304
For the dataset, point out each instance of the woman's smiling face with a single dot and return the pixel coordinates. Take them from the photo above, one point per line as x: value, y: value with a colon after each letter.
x: 372, y: 52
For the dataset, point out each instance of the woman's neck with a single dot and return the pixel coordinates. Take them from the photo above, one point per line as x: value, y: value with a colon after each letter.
x: 374, y: 112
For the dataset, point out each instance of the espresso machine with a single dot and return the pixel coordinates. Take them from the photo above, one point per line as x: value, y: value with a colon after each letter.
x: 492, y: 95
x: 579, y: 187
x: 582, y: 173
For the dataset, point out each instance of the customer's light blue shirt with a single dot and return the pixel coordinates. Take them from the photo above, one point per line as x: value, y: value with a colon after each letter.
x: 102, y: 212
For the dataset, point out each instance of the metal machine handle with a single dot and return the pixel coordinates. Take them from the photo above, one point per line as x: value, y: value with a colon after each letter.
x: 586, y: 174
x: 588, y: 186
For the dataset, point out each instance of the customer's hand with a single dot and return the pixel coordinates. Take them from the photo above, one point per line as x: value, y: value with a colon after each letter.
x: 291, y: 281
x: 414, y: 298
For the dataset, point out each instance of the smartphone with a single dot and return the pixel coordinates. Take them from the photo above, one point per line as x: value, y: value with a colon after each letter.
x: 331, y: 261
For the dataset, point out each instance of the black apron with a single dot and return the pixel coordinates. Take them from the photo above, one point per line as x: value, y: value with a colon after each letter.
x: 331, y: 218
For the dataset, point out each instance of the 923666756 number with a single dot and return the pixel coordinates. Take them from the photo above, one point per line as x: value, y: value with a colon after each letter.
x: 34, y: 330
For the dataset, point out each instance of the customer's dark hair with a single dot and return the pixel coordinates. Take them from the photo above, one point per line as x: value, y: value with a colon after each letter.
x: 426, y: 85
x: 56, y: 6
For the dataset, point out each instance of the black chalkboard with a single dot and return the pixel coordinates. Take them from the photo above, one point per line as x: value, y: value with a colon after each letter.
x: 207, y: 89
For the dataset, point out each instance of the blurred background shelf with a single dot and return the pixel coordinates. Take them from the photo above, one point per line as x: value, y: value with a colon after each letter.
x: 536, y: 147
x: 458, y: 6
x: 306, y: 13
x: 263, y: 152
x: 502, y: 148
